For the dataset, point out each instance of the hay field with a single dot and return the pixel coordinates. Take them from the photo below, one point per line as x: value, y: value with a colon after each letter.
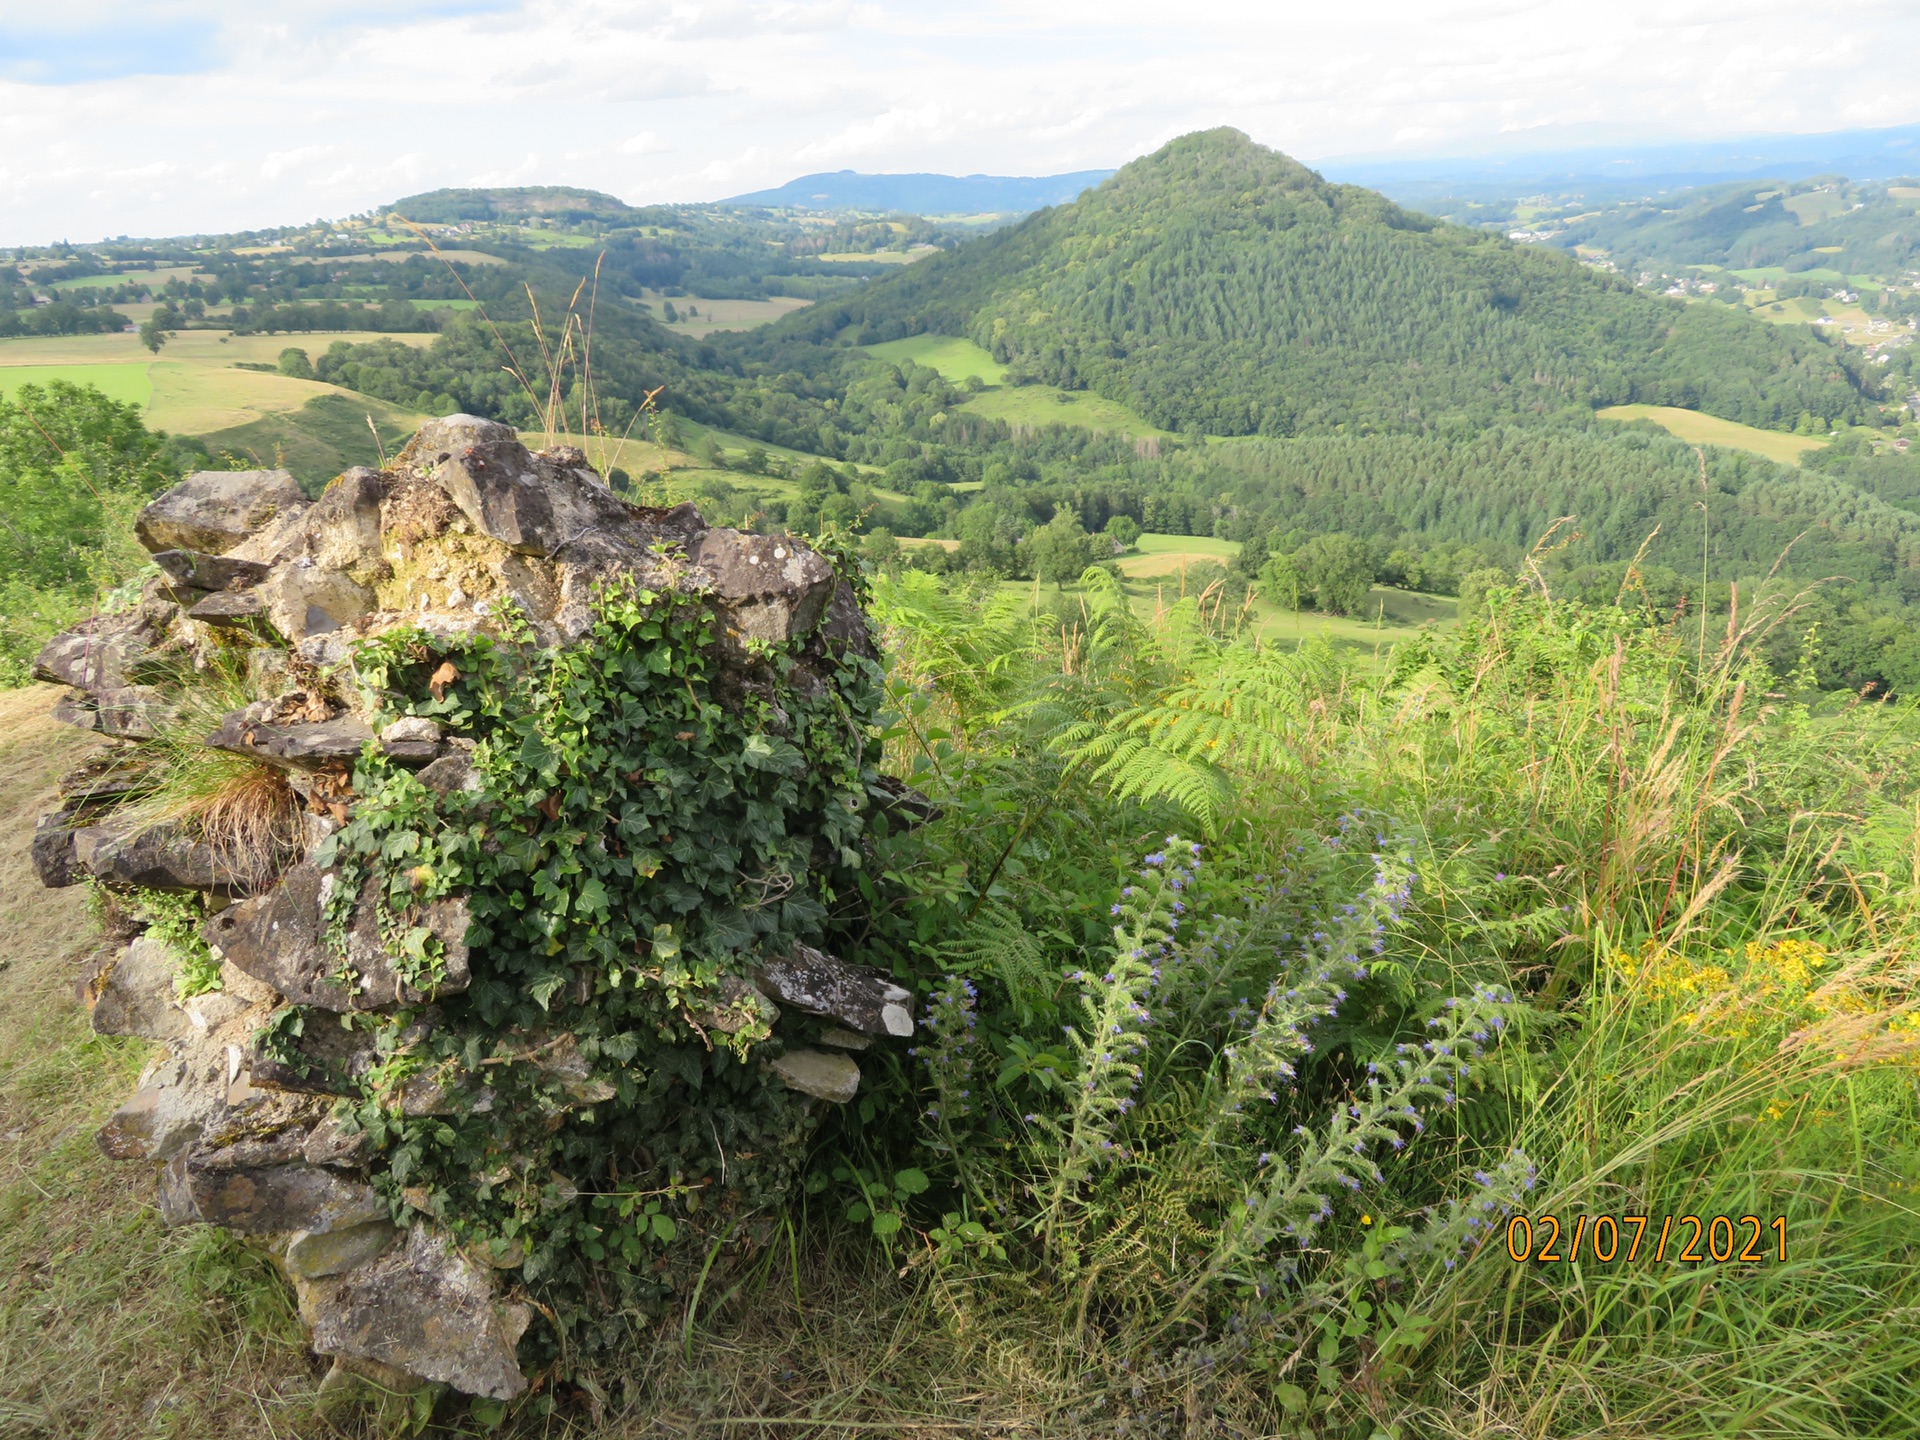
x: 1698, y: 429
x: 1164, y: 555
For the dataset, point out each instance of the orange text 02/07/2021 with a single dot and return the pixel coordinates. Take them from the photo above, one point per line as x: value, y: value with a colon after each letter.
x: 1682, y: 1239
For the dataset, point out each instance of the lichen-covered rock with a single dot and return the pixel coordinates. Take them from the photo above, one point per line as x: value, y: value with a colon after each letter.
x: 178, y: 1094
x: 276, y: 1199
x: 53, y: 855
x: 230, y: 608
x: 215, y: 510
x: 818, y: 983
x: 302, y: 746
x: 134, y: 712
x: 280, y: 939
x: 771, y: 588
x: 104, y: 652
x: 134, y: 995
x: 311, y: 1254
x: 425, y: 1309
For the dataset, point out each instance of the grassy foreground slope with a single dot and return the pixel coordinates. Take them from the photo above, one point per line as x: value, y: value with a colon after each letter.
x: 1220, y: 287
x: 109, y: 1326
x: 1679, y: 926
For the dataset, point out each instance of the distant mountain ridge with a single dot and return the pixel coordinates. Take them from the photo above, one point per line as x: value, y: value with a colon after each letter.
x: 1217, y: 286
x: 512, y: 202
x: 924, y: 194
x: 1628, y: 171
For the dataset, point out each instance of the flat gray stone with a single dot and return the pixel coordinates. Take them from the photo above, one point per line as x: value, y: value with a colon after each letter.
x: 214, y: 510
x: 233, y: 608
x: 423, y: 1308
x: 820, y: 1073
x: 193, y: 570
x: 101, y: 653
x: 301, y: 747
x: 177, y: 1096
x: 311, y: 1254
x: 155, y: 857
x: 53, y: 856
x: 332, y: 1143
x: 276, y: 1199
x: 820, y: 984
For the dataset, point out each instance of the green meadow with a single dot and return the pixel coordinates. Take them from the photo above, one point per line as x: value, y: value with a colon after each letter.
x: 1031, y: 406
x: 126, y: 381
x: 958, y: 360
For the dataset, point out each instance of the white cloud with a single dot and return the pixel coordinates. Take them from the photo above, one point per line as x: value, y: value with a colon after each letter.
x: 306, y: 102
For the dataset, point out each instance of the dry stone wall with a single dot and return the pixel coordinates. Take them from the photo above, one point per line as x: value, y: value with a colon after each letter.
x: 361, y: 1015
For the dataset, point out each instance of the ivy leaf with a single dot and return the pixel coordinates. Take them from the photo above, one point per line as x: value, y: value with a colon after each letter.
x: 911, y: 1182
x: 544, y: 989
x: 728, y: 927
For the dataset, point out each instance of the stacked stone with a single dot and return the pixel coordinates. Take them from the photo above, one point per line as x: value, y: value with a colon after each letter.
x: 463, y: 521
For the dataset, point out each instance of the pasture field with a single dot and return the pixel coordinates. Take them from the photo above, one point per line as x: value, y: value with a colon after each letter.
x: 1698, y: 429
x: 1154, y: 577
x: 465, y: 257
x: 216, y: 349
x: 194, y: 387
x: 957, y: 360
x: 880, y: 257
x: 193, y: 399
x: 1168, y: 554
x: 719, y: 315
x: 1767, y: 274
x: 1038, y: 406
x: 157, y: 276
x: 126, y: 382
x: 1021, y: 405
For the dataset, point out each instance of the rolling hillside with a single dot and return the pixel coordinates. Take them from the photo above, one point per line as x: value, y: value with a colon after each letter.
x: 1216, y: 286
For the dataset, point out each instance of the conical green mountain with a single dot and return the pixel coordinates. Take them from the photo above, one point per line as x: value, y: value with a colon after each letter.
x: 1218, y: 286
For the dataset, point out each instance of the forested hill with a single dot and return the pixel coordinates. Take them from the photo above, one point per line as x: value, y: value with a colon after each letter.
x: 1217, y: 286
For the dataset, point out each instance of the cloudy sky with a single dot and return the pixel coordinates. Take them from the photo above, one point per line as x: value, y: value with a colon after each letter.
x: 155, y: 117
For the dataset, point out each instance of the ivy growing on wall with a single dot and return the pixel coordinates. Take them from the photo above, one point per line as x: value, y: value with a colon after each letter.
x: 646, y: 812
